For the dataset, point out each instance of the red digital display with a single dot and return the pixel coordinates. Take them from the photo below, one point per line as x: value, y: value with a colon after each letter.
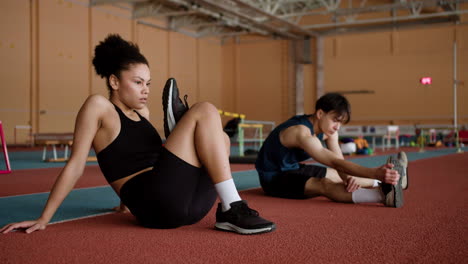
x: 426, y: 80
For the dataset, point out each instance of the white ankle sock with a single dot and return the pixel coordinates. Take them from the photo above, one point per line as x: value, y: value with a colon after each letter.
x: 362, y: 195
x: 376, y: 183
x: 227, y: 193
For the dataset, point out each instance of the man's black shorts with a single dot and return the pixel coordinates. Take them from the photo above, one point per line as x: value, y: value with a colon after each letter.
x: 291, y: 184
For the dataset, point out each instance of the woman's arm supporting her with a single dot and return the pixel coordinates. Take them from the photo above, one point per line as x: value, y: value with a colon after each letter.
x: 86, y: 125
x: 300, y: 137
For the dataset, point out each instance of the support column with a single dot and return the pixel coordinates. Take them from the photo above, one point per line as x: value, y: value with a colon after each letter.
x: 319, y: 67
x: 299, y: 88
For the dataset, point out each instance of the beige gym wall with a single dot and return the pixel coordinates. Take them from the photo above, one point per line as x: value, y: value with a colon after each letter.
x: 63, y: 63
x: 47, y: 46
x: 15, y: 65
x: 462, y: 87
x: 256, y: 78
x: 390, y: 64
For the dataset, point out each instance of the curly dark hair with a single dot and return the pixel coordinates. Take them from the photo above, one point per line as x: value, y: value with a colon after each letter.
x: 114, y: 55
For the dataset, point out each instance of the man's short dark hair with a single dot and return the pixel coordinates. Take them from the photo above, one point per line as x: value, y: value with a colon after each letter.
x: 335, y: 102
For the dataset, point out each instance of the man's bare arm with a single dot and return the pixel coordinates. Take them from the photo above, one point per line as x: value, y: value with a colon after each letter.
x: 300, y: 137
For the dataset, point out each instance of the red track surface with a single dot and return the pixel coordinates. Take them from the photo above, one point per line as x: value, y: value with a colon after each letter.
x: 430, y: 228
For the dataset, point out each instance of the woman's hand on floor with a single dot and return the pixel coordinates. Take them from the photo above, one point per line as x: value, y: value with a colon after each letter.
x: 30, y: 226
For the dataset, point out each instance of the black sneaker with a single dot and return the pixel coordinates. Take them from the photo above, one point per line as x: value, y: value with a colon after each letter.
x: 241, y: 219
x: 393, y: 193
x: 401, y: 165
x: 173, y: 106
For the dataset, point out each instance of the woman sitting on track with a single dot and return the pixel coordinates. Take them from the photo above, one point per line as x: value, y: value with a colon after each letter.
x: 163, y: 186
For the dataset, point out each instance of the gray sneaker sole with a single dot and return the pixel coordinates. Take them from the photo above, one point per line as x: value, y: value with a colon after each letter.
x: 398, y: 196
x: 401, y: 165
x: 226, y: 226
x: 404, y: 163
x: 395, y: 197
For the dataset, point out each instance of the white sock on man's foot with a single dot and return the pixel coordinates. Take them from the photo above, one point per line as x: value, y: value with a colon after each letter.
x: 376, y: 183
x: 227, y: 193
x: 362, y: 195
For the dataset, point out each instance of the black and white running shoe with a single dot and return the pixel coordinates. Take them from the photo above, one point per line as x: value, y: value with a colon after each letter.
x: 173, y: 106
x: 241, y: 219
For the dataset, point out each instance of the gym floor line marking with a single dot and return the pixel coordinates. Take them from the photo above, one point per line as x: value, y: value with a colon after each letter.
x: 100, y: 186
x: 79, y: 218
x: 75, y: 189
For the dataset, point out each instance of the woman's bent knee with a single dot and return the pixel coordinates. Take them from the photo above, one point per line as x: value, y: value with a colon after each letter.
x: 204, y: 110
x: 205, y: 107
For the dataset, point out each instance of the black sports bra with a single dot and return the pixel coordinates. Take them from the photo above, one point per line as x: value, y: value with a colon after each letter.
x: 135, y: 148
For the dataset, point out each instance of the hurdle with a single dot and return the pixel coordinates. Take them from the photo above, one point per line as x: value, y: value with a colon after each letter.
x: 243, y: 124
x: 5, y: 151
x: 242, y: 140
x: 428, y: 135
x: 52, y: 140
x: 240, y: 128
x: 235, y: 115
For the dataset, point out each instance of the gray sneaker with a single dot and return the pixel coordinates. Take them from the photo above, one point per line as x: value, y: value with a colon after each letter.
x: 404, y: 174
x: 401, y: 165
x: 393, y: 193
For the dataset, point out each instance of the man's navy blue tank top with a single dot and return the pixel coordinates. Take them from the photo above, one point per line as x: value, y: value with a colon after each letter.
x: 137, y: 147
x: 274, y: 157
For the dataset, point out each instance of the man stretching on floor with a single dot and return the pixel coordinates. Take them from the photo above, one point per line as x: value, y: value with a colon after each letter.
x: 302, y: 137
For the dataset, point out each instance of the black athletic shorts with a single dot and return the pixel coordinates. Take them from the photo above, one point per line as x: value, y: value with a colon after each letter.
x: 291, y: 184
x: 172, y: 194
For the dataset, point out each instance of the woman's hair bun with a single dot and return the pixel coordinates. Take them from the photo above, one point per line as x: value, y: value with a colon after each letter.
x: 115, y: 54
